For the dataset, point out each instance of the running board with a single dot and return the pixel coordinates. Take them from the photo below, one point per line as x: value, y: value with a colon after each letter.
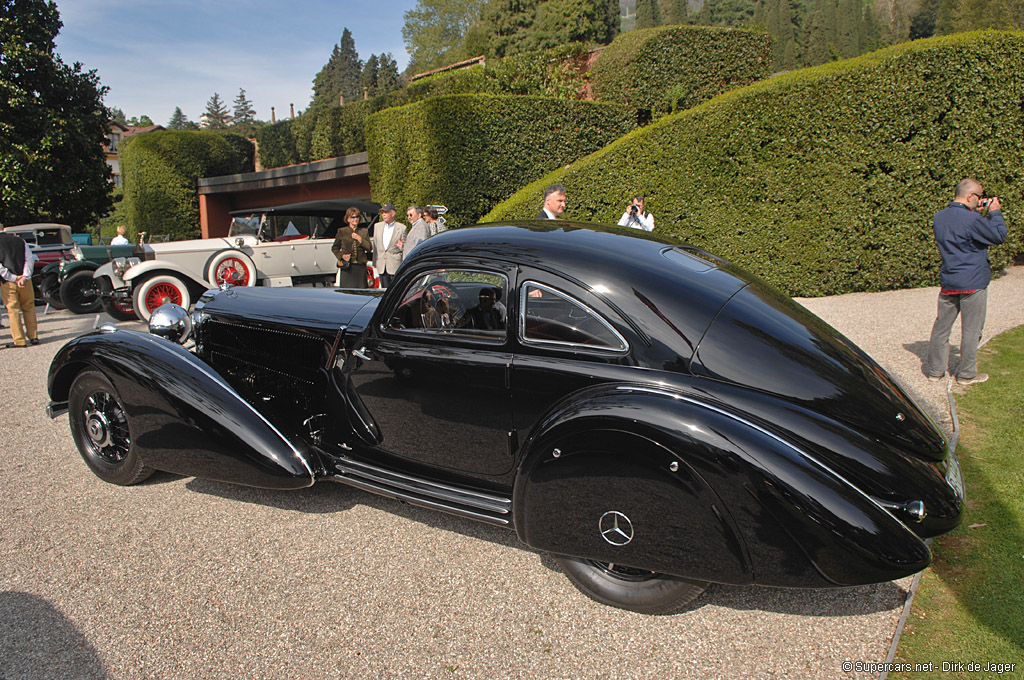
x: 476, y: 505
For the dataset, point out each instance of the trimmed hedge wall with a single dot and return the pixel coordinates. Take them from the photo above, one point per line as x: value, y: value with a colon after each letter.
x: 671, y: 68
x: 339, y: 130
x: 160, y: 170
x: 825, y: 180
x: 469, y: 152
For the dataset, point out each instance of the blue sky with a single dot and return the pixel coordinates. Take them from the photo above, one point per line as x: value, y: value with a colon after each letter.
x: 158, y: 54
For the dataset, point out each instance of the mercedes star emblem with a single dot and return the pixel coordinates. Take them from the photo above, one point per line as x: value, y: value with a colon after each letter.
x: 615, y: 528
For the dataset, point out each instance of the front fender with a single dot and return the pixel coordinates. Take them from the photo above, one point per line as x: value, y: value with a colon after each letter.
x: 184, y: 418
x: 143, y: 268
x: 749, y: 504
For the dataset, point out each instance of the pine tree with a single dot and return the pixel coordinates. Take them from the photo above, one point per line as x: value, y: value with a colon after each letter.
x: 242, y: 111
x: 216, y: 116
x: 340, y: 75
x: 117, y: 115
x: 678, y: 12
x: 387, y: 76
x: 647, y: 14
x: 368, y: 78
x: 178, y: 120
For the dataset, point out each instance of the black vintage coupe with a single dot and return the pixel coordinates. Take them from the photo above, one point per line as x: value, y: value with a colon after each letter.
x: 653, y: 416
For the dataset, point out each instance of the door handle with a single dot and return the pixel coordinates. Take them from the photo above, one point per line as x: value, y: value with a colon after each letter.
x: 361, y: 353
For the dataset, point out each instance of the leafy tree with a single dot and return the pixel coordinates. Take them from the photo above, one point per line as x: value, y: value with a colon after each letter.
x: 140, y: 121
x: 216, y: 116
x: 243, y: 113
x: 117, y: 115
x: 515, y: 26
x: 648, y: 14
x: 340, y: 75
x: 922, y: 24
x: 434, y: 32
x: 52, y: 124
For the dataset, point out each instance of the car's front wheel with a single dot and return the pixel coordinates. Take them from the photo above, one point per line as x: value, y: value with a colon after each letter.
x: 50, y: 289
x: 160, y: 290
x: 81, y: 292
x: 102, y: 431
x: 637, y: 590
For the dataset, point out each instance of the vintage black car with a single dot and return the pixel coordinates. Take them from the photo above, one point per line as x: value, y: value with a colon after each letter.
x: 653, y: 416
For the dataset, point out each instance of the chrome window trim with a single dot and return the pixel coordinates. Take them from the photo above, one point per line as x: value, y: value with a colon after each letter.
x: 449, y: 333
x: 559, y: 344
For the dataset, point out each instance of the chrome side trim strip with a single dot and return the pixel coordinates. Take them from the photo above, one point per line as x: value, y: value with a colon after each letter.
x: 476, y: 498
x: 391, y: 492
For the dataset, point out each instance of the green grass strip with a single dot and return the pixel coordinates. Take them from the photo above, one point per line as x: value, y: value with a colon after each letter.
x: 970, y: 605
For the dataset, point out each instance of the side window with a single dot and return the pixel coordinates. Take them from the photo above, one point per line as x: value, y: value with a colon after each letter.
x: 550, y: 317
x: 458, y: 302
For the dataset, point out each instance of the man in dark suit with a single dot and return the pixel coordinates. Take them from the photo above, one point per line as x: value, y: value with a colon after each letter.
x: 554, y: 203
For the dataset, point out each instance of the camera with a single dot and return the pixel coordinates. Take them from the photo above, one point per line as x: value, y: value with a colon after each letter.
x: 983, y: 203
x: 633, y: 209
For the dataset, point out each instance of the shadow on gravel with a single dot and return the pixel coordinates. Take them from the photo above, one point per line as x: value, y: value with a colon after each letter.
x: 920, y: 350
x: 37, y: 641
x: 330, y: 498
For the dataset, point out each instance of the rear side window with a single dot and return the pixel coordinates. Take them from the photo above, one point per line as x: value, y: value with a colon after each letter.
x: 552, y: 318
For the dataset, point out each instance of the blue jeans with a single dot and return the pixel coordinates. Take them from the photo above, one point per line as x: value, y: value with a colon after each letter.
x: 971, y: 309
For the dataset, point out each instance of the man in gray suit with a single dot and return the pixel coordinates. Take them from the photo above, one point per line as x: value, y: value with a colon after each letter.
x: 388, y: 238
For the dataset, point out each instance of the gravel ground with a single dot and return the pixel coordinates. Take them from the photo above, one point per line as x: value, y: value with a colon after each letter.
x: 185, y: 578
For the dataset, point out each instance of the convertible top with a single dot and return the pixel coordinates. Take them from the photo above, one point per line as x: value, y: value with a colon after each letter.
x: 328, y: 207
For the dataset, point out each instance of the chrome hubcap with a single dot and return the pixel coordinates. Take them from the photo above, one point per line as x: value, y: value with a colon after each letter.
x: 97, y: 428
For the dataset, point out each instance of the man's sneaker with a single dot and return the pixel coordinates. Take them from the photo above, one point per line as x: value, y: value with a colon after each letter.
x: 936, y: 378
x: 980, y: 378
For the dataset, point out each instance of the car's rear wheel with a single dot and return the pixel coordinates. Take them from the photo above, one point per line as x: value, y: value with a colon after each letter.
x: 637, y: 590
x: 81, y: 293
x: 160, y: 290
x: 102, y: 430
x: 50, y: 289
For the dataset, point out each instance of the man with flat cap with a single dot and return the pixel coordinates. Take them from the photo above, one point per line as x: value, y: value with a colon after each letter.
x: 388, y: 239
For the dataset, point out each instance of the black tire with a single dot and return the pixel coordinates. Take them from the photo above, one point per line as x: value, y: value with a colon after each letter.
x: 102, y: 430
x: 49, y: 288
x: 81, y: 293
x: 122, y: 310
x: 637, y: 590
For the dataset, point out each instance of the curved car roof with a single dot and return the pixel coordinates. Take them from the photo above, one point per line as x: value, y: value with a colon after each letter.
x: 325, y: 207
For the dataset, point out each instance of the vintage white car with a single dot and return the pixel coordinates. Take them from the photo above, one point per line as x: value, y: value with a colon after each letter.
x: 284, y: 245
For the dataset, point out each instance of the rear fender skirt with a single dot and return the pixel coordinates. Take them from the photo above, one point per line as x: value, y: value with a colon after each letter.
x: 778, y: 500
x: 185, y: 418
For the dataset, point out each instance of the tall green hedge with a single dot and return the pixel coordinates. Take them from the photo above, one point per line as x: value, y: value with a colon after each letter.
x: 339, y: 130
x: 825, y: 180
x: 159, y: 172
x: 672, y: 68
x: 471, y: 151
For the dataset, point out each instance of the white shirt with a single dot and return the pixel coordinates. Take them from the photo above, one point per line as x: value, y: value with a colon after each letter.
x: 119, y: 241
x: 389, y: 231
x: 644, y: 220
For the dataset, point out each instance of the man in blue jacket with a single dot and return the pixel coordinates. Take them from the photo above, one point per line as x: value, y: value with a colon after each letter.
x: 963, y: 232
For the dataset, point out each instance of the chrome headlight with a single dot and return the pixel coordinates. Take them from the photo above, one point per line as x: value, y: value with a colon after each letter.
x: 172, y: 322
x: 76, y: 254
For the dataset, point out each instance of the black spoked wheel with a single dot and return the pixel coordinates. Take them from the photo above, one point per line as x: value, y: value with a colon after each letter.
x: 50, y: 290
x: 637, y: 590
x: 102, y: 431
x: 81, y: 293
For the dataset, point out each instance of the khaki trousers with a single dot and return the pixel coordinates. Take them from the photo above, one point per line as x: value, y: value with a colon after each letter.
x: 19, y: 302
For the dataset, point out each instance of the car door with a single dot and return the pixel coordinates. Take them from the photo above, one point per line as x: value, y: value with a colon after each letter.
x: 287, y: 250
x: 567, y: 339
x: 432, y: 371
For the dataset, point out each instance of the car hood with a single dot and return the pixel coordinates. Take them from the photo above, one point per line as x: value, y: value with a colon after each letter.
x: 765, y: 341
x: 210, y: 245
x: 322, y: 309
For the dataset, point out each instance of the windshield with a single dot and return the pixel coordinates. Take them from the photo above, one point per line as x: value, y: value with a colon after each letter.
x: 244, y: 225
